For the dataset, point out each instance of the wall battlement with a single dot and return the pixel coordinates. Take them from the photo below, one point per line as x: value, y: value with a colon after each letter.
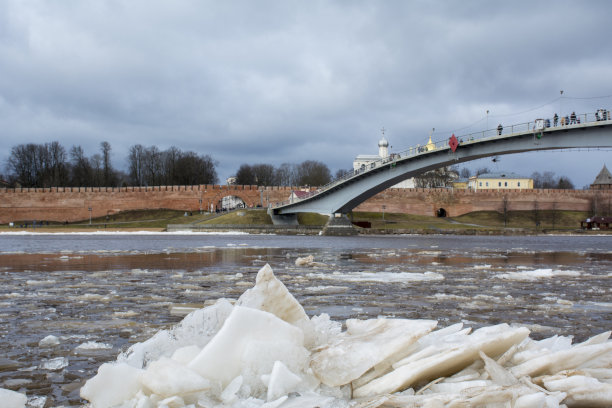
x: 141, y: 189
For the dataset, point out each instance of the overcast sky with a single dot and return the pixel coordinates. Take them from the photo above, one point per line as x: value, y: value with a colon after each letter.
x: 288, y: 81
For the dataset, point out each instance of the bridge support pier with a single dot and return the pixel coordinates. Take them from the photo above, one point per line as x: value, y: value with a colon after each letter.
x: 339, y: 225
x: 283, y: 219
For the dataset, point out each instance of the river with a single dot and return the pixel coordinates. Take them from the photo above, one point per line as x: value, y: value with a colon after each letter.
x: 100, y: 293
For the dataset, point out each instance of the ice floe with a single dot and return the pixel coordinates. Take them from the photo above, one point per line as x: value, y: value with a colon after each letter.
x: 388, y: 277
x: 49, y: 341
x: 537, y: 274
x: 308, y: 261
x: 263, y: 351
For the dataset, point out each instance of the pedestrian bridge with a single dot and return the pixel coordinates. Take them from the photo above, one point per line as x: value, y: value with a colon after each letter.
x: 347, y: 192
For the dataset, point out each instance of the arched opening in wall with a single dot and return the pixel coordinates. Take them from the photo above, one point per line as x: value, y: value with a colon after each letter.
x: 229, y: 203
x: 441, y: 213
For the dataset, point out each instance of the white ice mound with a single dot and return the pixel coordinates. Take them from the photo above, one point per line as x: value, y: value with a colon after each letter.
x: 264, y: 352
x: 271, y: 295
x: 114, y: 384
x: 12, y: 399
x: 245, y: 331
x: 364, y: 345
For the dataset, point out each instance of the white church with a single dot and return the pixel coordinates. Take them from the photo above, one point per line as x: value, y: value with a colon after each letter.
x: 363, y: 160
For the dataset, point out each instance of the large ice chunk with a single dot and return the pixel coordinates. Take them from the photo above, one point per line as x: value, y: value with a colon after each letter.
x: 12, y: 399
x: 281, y: 382
x: 581, y: 390
x: 223, y: 358
x: 365, y: 344
x: 167, y: 377
x: 113, y: 384
x: 552, y: 363
x: 492, y: 341
x: 197, y: 328
x: 271, y: 295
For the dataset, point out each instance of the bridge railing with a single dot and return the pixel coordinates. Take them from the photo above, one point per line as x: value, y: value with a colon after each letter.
x: 535, y: 126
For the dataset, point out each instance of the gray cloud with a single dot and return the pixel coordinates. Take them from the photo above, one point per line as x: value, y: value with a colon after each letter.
x: 287, y: 81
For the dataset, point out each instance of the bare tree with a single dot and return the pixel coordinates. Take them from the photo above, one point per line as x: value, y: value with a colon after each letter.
x: 264, y: 174
x: 192, y: 168
x: 504, y: 209
x: 245, y: 175
x: 441, y: 177
x: 312, y: 173
x: 152, y: 166
x: 564, y: 183
x: 107, y: 168
x: 342, y: 172
x: 465, y: 173
x: 81, y: 167
x: 135, y: 164
x: 549, y: 180
x: 34, y: 165
x: 286, y: 175
x: 97, y: 171
x: 56, y: 165
x: 553, y: 214
x: 22, y: 163
x: 536, y: 213
x: 173, y: 169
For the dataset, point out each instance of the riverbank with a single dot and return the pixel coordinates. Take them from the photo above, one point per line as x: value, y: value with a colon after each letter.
x: 257, y: 221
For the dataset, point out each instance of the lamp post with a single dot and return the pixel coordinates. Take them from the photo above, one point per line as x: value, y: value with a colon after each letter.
x: 89, y: 215
x: 487, y: 121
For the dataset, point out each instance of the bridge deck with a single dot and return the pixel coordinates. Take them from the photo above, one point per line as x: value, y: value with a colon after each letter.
x: 536, y: 129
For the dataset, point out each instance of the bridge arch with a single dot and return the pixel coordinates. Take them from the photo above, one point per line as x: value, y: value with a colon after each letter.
x: 344, y: 194
x: 231, y: 198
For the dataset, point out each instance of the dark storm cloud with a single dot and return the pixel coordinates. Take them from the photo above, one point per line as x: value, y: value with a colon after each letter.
x: 283, y: 81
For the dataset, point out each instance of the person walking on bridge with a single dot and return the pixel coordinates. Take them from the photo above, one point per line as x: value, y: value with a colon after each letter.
x: 499, y: 129
x: 573, y: 118
x: 555, y: 120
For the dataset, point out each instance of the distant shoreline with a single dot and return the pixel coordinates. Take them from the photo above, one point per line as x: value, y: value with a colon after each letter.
x: 281, y: 231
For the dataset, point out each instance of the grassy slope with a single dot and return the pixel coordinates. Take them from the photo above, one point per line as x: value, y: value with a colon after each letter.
x: 477, y: 220
x: 158, y: 219
x: 241, y: 217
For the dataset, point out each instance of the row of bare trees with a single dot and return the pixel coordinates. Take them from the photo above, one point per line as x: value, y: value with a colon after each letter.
x: 51, y: 165
x: 149, y: 166
x: 307, y: 173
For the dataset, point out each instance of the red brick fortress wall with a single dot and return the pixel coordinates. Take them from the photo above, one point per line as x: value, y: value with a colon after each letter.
x: 422, y: 201
x: 72, y: 204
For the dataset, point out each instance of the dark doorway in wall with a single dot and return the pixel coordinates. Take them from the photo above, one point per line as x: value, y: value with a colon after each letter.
x: 441, y: 213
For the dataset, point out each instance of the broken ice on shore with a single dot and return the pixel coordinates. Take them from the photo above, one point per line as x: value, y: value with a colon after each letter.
x: 264, y: 351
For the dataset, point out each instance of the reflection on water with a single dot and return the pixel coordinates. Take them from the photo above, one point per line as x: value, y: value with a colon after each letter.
x: 98, y: 298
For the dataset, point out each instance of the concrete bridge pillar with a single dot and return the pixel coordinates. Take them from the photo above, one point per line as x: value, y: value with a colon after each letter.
x: 339, y: 225
x: 283, y: 219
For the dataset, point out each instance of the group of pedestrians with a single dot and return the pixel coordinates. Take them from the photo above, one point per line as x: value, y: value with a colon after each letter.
x: 566, y: 120
x: 602, y: 114
x: 572, y: 119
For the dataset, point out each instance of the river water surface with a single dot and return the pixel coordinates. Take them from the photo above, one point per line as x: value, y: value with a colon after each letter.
x: 100, y: 293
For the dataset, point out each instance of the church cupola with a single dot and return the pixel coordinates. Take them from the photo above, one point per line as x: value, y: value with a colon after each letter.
x: 383, y: 146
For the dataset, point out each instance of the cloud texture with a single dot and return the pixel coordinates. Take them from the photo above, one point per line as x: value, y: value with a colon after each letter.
x: 288, y: 81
